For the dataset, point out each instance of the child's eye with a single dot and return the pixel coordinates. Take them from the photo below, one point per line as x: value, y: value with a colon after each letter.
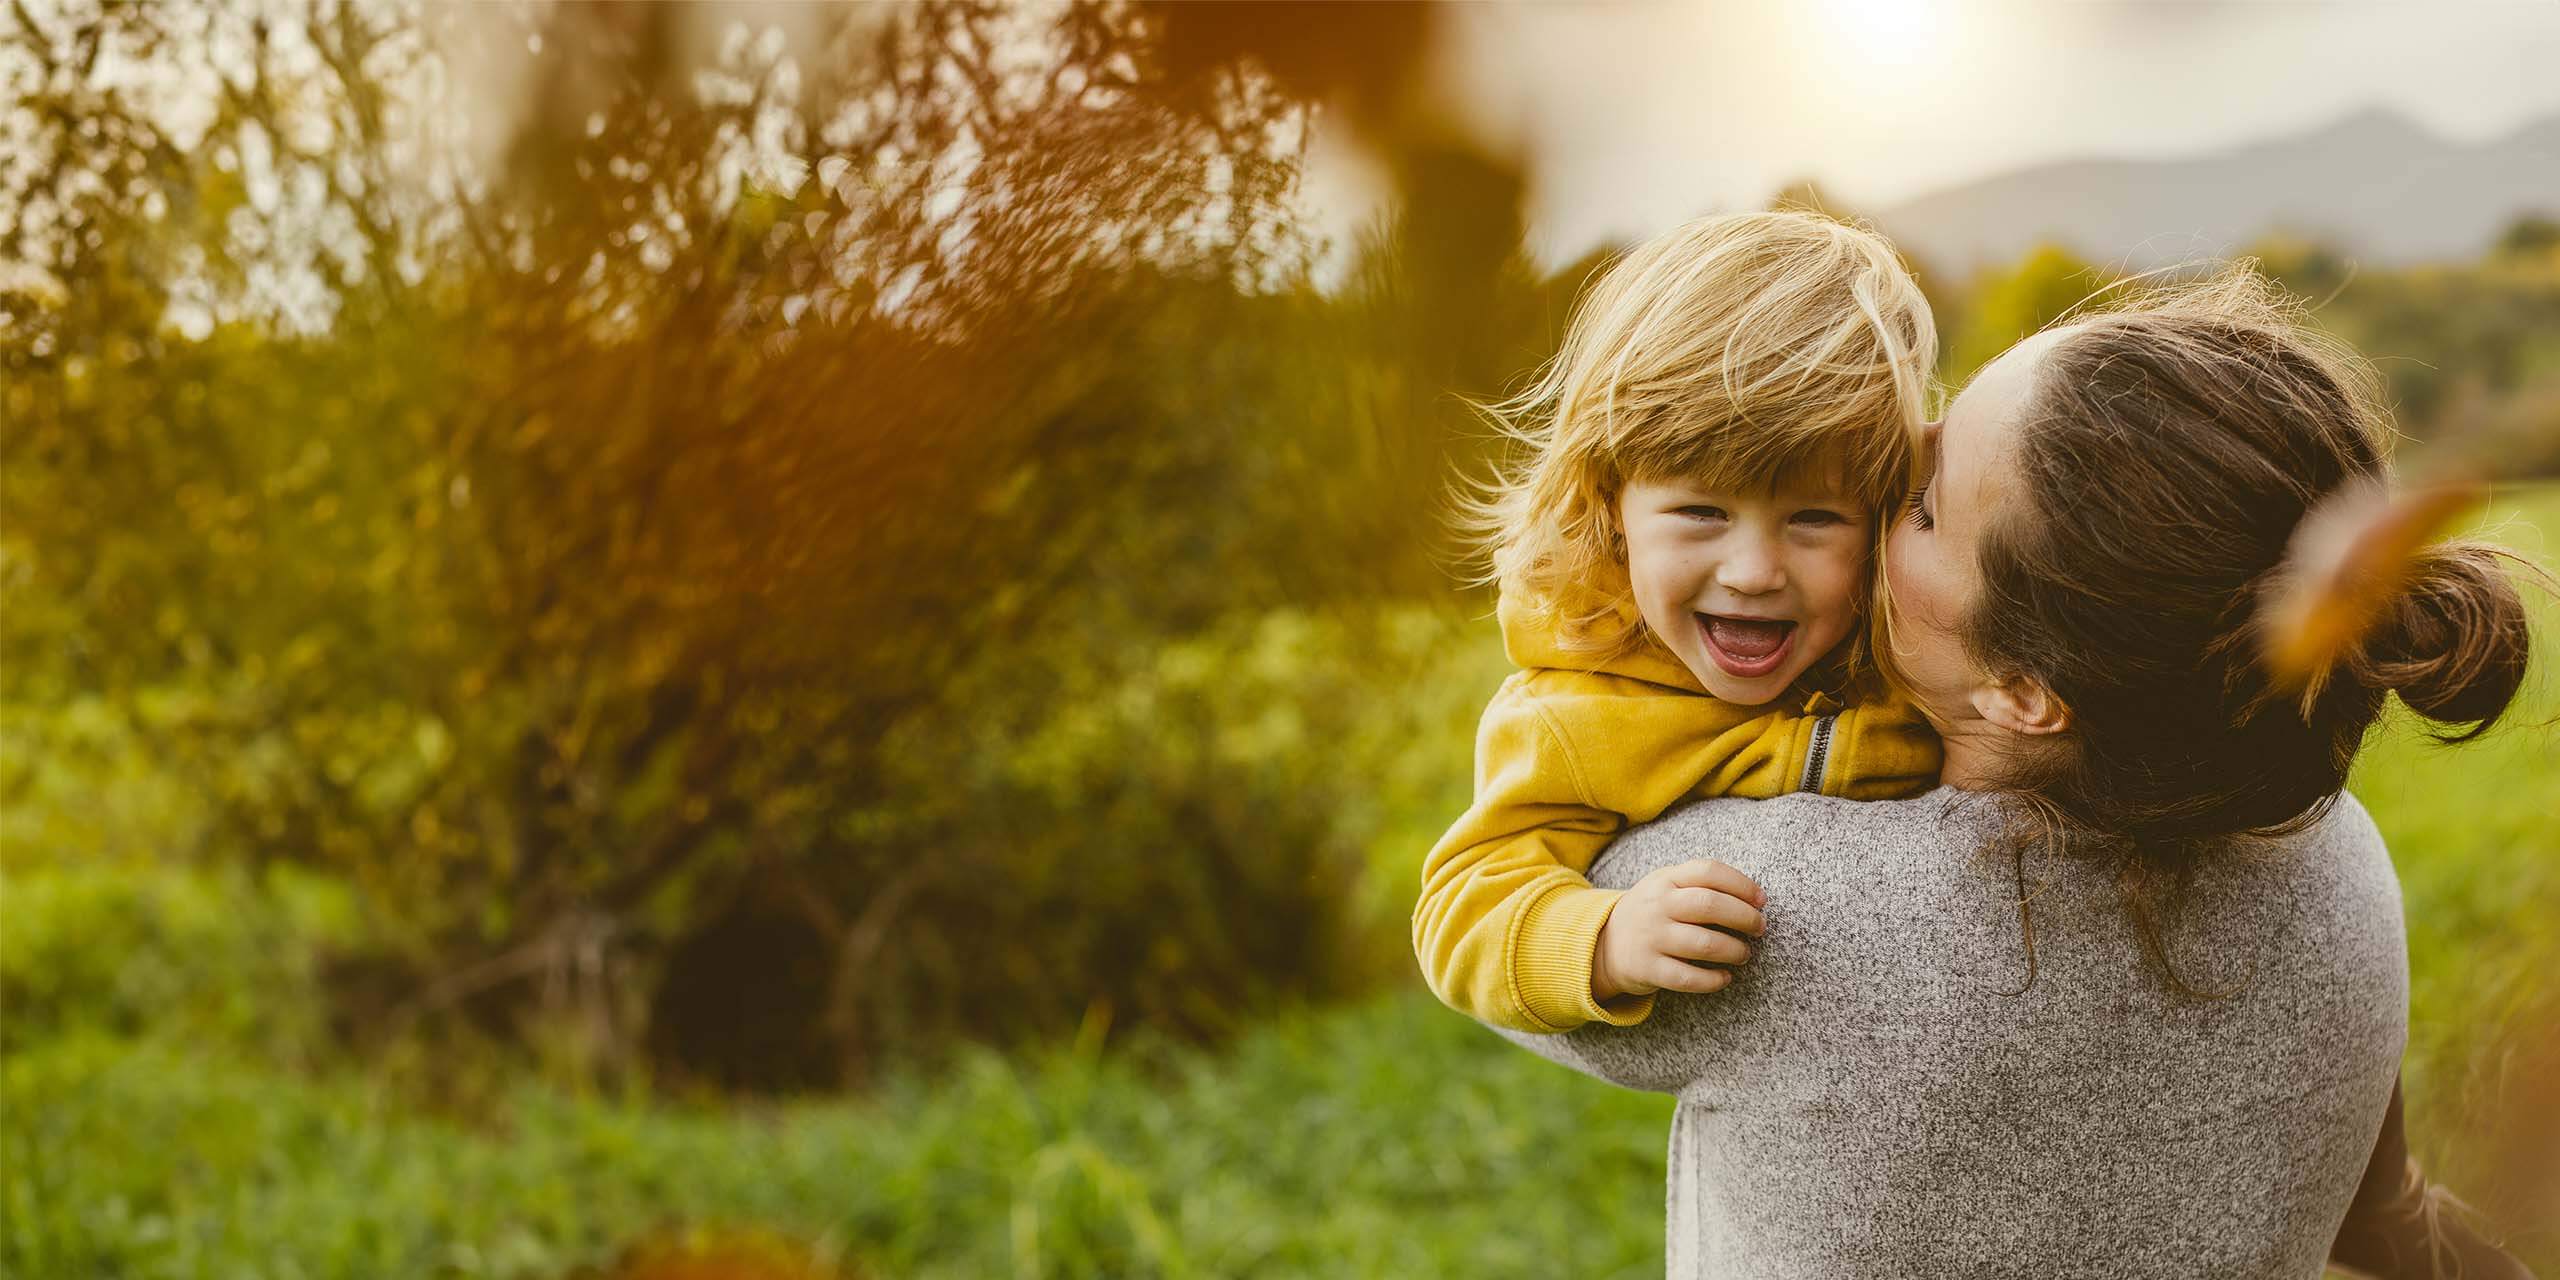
x: 1916, y: 509
x: 1700, y: 512
x: 1817, y: 518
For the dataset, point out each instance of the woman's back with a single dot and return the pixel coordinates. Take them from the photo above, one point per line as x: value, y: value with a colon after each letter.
x: 1884, y: 1091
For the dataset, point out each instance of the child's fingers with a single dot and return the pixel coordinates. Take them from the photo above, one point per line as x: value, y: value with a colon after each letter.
x: 1690, y: 942
x: 1708, y: 873
x: 1709, y: 906
x: 1676, y: 975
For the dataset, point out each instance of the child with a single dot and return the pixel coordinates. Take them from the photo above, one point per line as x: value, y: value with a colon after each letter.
x: 1683, y: 560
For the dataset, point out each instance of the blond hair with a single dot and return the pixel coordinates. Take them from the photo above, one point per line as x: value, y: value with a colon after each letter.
x: 1731, y: 350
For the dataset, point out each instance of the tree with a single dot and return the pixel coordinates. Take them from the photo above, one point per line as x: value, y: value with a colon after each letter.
x: 2007, y: 306
x: 561, y: 548
x: 2530, y: 235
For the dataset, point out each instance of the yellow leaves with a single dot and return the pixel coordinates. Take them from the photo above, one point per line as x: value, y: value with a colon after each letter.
x: 2007, y: 306
x: 433, y: 741
x: 535, y: 428
x: 305, y: 653
x: 309, y: 468
x: 2350, y: 556
x: 383, y: 571
x: 653, y: 658
x: 426, y: 827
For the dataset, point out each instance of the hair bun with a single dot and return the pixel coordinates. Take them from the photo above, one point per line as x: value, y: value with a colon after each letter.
x: 2454, y: 641
x: 2364, y: 595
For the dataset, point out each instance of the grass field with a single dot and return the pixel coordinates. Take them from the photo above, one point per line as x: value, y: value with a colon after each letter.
x: 1390, y: 1138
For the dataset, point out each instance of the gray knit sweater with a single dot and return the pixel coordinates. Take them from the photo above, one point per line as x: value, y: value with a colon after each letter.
x: 1875, y: 1095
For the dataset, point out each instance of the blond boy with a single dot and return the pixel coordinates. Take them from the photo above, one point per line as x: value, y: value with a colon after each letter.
x: 1683, y: 556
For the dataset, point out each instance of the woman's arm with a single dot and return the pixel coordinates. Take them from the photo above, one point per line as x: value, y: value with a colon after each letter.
x: 1669, y: 1049
x: 2399, y: 1226
x: 1634, y: 1057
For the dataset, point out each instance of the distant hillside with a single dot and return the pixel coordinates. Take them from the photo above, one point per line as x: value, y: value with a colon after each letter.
x: 2376, y: 184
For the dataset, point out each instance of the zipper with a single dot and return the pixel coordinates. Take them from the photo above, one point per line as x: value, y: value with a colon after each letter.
x: 1817, y: 755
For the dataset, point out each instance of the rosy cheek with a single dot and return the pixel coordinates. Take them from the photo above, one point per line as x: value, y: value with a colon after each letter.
x: 1929, y: 598
x: 1910, y: 589
x: 1896, y: 556
x: 1907, y: 578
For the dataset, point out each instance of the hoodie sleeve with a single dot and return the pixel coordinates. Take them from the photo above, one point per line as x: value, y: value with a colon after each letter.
x: 1506, y: 924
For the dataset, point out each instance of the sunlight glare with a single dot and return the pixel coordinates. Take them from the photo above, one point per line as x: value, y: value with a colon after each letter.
x: 1884, y: 33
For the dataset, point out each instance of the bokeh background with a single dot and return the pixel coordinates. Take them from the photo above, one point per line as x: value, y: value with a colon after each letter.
x: 783, y: 641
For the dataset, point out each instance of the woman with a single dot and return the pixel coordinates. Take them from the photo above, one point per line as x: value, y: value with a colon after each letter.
x: 2126, y: 996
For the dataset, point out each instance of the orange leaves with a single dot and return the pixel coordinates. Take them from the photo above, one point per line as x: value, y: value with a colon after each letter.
x: 723, y: 1255
x: 2349, y: 558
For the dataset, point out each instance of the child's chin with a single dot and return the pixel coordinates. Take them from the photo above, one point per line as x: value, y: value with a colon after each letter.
x: 1745, y: 691
x: 1759, y: 694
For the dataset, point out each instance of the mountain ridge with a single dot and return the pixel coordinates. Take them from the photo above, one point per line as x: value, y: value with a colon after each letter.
x: 2375, y: 184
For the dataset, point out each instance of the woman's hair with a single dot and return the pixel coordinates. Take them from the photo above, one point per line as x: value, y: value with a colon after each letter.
x: 1731, y: 350
x: 2171, y: 448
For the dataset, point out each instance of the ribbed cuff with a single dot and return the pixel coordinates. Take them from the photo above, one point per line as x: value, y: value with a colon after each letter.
x: 1551, y: 961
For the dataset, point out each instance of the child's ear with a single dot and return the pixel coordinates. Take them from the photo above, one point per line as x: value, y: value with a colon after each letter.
x: 2022, y: 705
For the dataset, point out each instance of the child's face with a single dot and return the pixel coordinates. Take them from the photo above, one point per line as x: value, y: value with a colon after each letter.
x: 1748, y: 588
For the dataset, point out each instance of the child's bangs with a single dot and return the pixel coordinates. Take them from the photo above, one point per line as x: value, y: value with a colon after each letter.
x: 1747, y: 460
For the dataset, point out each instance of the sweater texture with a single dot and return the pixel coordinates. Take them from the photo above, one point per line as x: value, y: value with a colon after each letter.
x: 1890, y: 1088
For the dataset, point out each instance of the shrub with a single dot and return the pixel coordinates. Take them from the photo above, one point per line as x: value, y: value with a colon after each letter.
x: 202, y: 955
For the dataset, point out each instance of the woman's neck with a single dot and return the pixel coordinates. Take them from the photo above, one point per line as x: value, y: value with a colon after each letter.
x: 1976, y: 753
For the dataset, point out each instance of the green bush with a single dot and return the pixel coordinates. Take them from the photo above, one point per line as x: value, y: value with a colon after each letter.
x: 79, y: 786
x: 1181, y: 834
x: 198, y: 956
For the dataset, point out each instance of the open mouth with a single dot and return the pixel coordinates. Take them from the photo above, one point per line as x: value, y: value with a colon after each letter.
x: 1747, y: 647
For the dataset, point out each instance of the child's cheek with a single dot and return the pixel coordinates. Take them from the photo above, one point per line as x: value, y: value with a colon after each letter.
x: 1844, y: 594
x: 1837, y: 566
x: 1644, y: 577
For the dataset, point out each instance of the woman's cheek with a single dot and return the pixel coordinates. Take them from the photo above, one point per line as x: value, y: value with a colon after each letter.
x: 1901, y: 581
x: 1926, y: 607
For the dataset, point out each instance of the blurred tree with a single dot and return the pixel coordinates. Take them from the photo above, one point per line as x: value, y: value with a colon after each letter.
x: 2530, y: 235
x: 2309, y: 268
x: 1358, y: 58
x: 2448, y: 338
x: 645, y: 530
x: 2005, y: 306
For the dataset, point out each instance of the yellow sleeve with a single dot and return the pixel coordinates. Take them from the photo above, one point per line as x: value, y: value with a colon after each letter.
x: 1883, y: 749
x: 1565, y: 760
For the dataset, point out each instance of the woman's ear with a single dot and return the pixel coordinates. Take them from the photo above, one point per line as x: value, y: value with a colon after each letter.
x: 2021, y: 704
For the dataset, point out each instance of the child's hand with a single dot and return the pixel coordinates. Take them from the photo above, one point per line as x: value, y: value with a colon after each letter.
x: 1659, y: 926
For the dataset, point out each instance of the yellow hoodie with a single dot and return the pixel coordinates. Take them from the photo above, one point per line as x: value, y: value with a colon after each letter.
x: 1575, y: 749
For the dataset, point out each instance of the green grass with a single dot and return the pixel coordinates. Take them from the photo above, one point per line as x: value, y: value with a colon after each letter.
x: 1391, y: 1138
x: 2475, y: 833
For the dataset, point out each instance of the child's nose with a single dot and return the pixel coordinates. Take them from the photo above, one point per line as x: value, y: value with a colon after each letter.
x: 1750, y: 568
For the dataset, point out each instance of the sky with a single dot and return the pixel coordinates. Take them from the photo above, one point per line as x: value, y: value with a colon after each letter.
x: 1639, y: 115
